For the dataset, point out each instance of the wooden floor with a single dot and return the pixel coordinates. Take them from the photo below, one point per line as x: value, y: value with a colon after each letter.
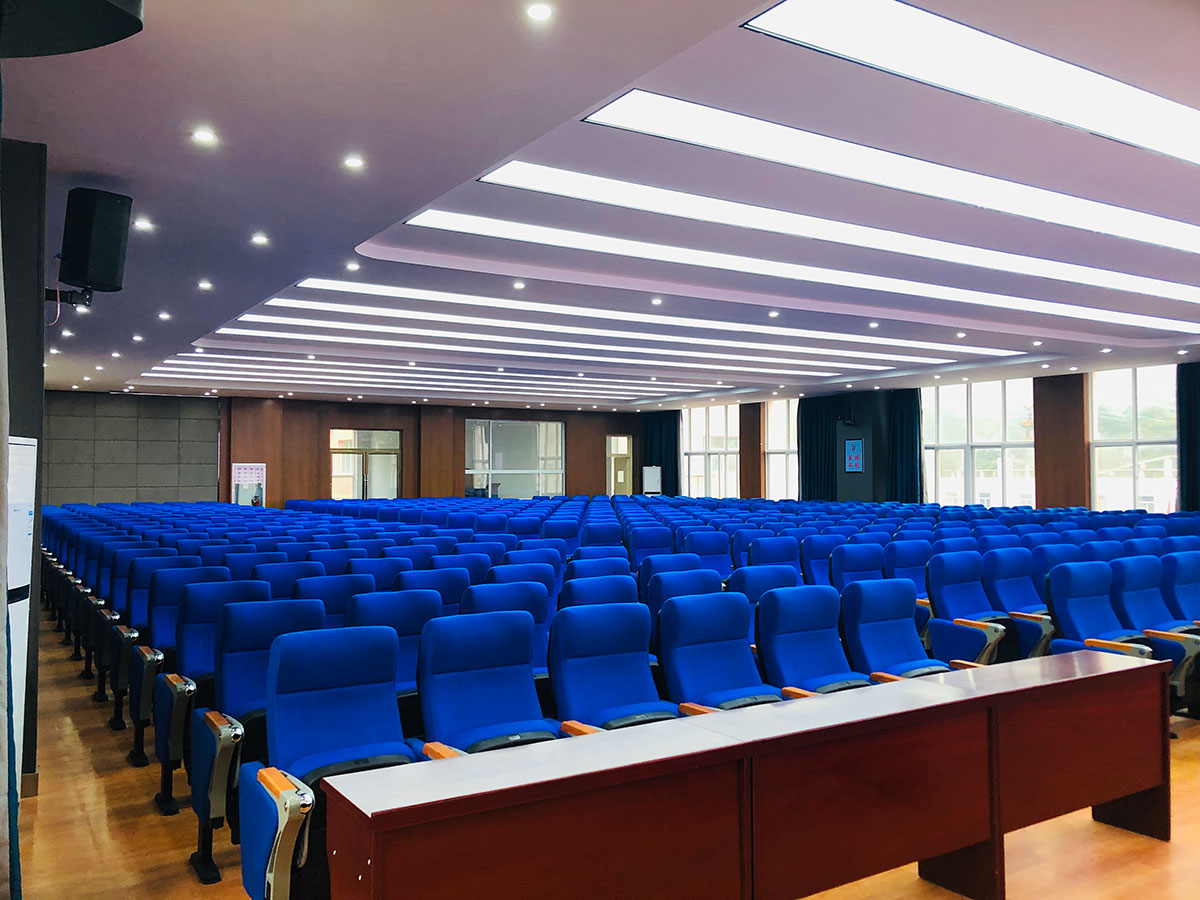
x: 93, y: 831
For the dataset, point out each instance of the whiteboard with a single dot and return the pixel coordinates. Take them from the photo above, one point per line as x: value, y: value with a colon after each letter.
x: 22, y: 481
x: 651, y: 479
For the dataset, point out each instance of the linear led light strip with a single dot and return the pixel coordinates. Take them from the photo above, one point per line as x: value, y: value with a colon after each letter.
x: 599, y: 243
x: 501, y: 351
x: 238, y: 378
x: 925, y: 47
x: 509, y: 339
x: 631, y: 195
x: 371, y: 368
x: 625, y: 316
x: 399, y: 380
x: 351, y: 309
x: 691, y: 123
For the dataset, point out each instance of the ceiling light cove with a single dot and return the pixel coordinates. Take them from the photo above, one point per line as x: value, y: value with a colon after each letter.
x: 704, y: 126
x: 642, y: 197
x: 599, y: 243
x: 908, y: 41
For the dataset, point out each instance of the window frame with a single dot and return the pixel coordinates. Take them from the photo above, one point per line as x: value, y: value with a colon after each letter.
x: 490, y: 470
x: 1136, y: 443
x: 790, y: 452
x: 731, y: 413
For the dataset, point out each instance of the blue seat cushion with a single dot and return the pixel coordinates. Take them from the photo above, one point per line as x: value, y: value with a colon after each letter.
x: 717, y: 698
x: 306, y: 764
x: 831, y: 681
x: 601, y: 717
x: 465, y: 739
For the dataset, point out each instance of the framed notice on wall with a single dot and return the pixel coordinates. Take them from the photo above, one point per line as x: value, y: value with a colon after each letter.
x: 854, y: 455
x: 249, y: 483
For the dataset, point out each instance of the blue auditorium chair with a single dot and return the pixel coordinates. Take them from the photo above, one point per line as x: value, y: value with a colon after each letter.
x: 476, y: 564
x: 282, y: 577
x: 988, y: 542
x: 590, y: 568
x: 530, y: 596
x: 668, y: 562
x: 647, y: 541
x: 598, y: 589
x: 442, y: 545
x: 1177, y: 544
x: 543, y: 573
x: 559, y: 545
x: 1142, y: 546
x: 566, y: 530
x: 798, y: 640
x: 855, y: 562
x: 957, y: 593
x: 814, y: 556
x: 705, y: 652
x: 741, y: 541
x: 601, y: 534
x: 954, y: 545
x: 1138, y: 599
x: 373, y: 546
x: 600, y: 667
x: 385, y: 569
x: 713, y: 549
x: 449, y: 583
x: 475, y: 680
x: 602, y: 551
x: 298, y: 551
x: 336, y: 562
x: 1045, y: 557
x: 881, y: 632
x: 754, y: 581
x: 493, y: 550
x: 1078, y: 536
x: 406, y: 613
x: 241, y: 565
x: 1181, y: 584
x: 1040, y: 538
x: 665, y: 585
x: 335, y: 592
x: 776, y: 551
x: 1008, y: 581
x: 1099, y: 551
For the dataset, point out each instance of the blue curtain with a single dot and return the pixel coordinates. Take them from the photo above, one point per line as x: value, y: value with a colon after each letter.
x: 818, y: 447
x: 904, y: 442
x: 660, y: 442
x: 1187, y: 384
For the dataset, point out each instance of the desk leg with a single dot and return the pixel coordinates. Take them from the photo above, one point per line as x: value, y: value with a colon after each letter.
x: 976, y: 871
x: 1146, y: 812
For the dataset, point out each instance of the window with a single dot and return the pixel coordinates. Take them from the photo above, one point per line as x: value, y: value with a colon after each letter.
x: 1134, y: 451
x: 780, y: 450
x: 364, y: 465
x: 978, y: 442
x: 709, y: 438
x: 514, y: 459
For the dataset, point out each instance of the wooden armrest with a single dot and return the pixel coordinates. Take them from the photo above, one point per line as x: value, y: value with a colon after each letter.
x: 438, y: 750
x: 1176, y: 636
x: 754, y: 648
x: 215, y: 720
x: 175, y: 680
x: 1028, y: 617
x: 885, y: 677
x: 924, y: 601
x: 275, y: 781
x: 795, y: 693
x: 1110, y: 645
x: 974, y: 623
x: 965, y: 664
x: 695, y: 709
x: 570, y: 726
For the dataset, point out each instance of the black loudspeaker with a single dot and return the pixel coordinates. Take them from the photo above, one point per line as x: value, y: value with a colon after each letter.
x: 95, y: 233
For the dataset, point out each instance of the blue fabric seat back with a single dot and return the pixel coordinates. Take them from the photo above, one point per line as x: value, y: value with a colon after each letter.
x: 122, y: 565
x: 843, y: 530
x: 954, y: 545
x: 1136, y: 592
x: 1008, y: 580
x: 334, y: 591
x: 1181, y: 544
x: 741, y: 541
x: 669, y: 562
x: 384, y: 570
x: 419, y: 556
x: 476, y: 564
x: 989, y: 542
x: 1046, y: 557
x: 601, y: 533
x: 1078, y: 536
x: 493, y: 550
x: 779, y: 550
x: 797, y: 635
x: 475, y: 671
x: 565, y: 530
x: 191, y: 546
x: 245, y: 632
x: 1099, y: 551
x: 665, y: 585
x: 141, y: 573
x: 461, y: 520
x: 705, y: 645
x: 955, y: 583
x: 646, y: 541
x: 449, y: 583
x: 590, y: 568
x: 713, y: 549
x: 406, y: 613
x: 1040, y: 539
x: 1142, y: 546
x: 336, y: 562
x: 599, y: 660
x: 754, y: 581
x: 1115, y: 533
x: 880, y: 625
x: 166, y: 594
x: 298, y: 551
x: 241, y: 565
x: 546, y: 555
x: 282, y: 577
x: 1080, y: 600
x: 101, y: 576
x: 558, y: 545
x: 441, y: 545
x: 200, y: 612
x: 1181, y: 584
x: 598, y: 589
x: 373, y: 546
x: 336, y: 540
x: 524, y: 526
x: 855, y: 562
x: 543, y: 573
x: 530, y: 596
x: 814, y: 556
x: 462, y: 535
x: 881, y: 538
x: 331, y: 690
x: 603, y: 551
x: 490, y: 523
x: 1146, y: 530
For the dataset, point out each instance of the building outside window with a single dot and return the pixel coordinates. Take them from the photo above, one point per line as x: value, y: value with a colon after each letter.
x: 781, y: 450
x: 978, y: 443
x: 709, y: 438
x: 515, y: 459
x: 1135, y: 456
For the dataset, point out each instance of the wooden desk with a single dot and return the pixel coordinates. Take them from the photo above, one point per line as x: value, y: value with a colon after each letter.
x: 777, y: 801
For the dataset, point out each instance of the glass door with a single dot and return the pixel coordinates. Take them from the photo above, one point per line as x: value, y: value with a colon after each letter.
x: 619, y: 451
x: 364, y: 465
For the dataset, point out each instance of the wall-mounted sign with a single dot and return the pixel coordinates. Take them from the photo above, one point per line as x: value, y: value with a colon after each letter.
x: 249, y: 483
x: 854, y: 455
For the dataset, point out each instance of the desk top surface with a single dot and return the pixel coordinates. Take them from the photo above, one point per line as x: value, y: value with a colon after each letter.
x: 1042, y: 671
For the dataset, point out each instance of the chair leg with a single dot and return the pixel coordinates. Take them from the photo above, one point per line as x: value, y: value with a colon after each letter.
x: 165, y: 798
x: 202, y: 860
x: 137, y: 756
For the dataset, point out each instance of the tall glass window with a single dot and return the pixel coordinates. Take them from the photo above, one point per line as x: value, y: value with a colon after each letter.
x: 515, y: 459
x: 978, y: 441
x: 781, y: 451
x: 1134, y: 452
x: 710, y: 440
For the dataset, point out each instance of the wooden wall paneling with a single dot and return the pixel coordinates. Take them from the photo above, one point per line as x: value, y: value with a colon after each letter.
x: 440, y: 457
x: 752, y: 473
x: 256, y: 435
x: 224, y: 456
x: 1063, y: 469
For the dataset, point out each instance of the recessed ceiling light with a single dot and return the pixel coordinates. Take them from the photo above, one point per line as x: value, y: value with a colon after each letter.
x: 849, y: 385
x: 872, y: 324
x: 579, y: 409
x: 1182, y: 352
x: 656, y: 301
x: 1106, y: 350
x: 654, y: 378
x: 539, y: 12
x: 126, y: 390
x: 353, y: 161
x: 360, y: 396
x: 67, y: 332
x: 960, y: 334
x: 164, y: 315
x: 594, y: 406
x: 55, y: 350
x: 115, y: 355
x: 99, y: 368
x: 74, y: 387
x: 204, y: 135
x: 876, y: 387
x: 204, y: 284
x: 281, y: 396
x: 937, y: 377
x: 82, y: 310
x: 799, y: 395
x: 965, y: 378
x: 289, y: 393
x: 692, y: 123
x: 720, y: 382
x: 137, y: 338
x: 259, y: 239
x: 519, y: 285
x: 774, y: 314
x: 1045, y: 365
x: 1037, y: 343
x: 141, y: 223
x: 87, y: 377
x: 351, y: 399
x: 463, y: 223
x: 1074, y: 368
x: 500, y: 368
x: 412, y: 363
x: 352, y: 266
x: 311, y: 356
x: 928, y: 48
x: 486, y: 402
x: 774, y: 393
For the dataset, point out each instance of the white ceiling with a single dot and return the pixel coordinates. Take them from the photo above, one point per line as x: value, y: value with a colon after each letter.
x: 435, y: 98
